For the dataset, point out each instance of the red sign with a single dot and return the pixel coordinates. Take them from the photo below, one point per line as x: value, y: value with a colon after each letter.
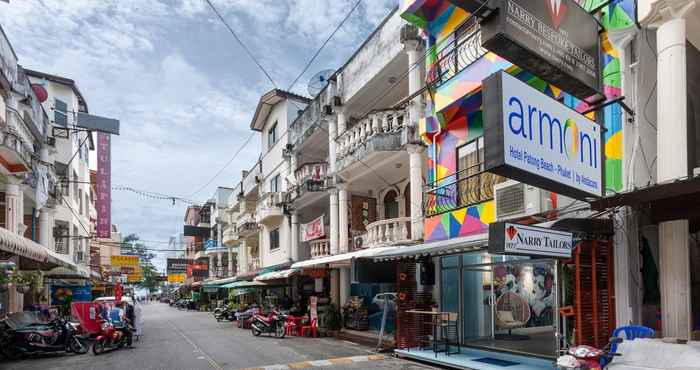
x: 104, y: 186
x: 314, y: 273
x: 87, y: 314
x: 118, y: 292
x: 312, y: 230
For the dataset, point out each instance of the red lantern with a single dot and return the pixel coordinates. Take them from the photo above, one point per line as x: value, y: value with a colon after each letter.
x: 40, y: 92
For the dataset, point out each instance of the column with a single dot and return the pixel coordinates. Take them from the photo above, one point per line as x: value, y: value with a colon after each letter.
x: 212, y: 264
x: 672, y: 146
x: 413, y: 50
x: 12, y: 193
x: 342, y: 120
x: 334, y: 222
x: 415, y: 152
x: 230, y: 262
x: 220, y: 264
x: 343, y: 224
x: 46, y: 220
x: 242, y: 257
x: 344, y: 290
x: 335, y: 293
x: 294, y: 245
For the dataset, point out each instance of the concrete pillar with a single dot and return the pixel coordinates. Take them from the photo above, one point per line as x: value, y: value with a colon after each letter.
x: 344, y: 290
x: 230, y: 262
x: 220, y: 263
x: 243, y: 257
x: 413, y: 50
x: 294, y: 245
x: 335, y: 248
x: 46, y: 221
x: 335, y: 291
x: 672, y: 148
x: 342, y: 120
x: 416, y: 177
x: 12, y: 194
x: 343, y: 224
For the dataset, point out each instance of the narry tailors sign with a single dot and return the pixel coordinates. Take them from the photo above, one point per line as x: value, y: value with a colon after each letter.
x: 516, y: 239
x: 556, y: 40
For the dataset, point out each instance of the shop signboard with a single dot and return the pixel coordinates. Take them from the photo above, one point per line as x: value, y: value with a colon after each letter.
x: 535, y: 139
x: 125, y: 261
x: 176, y: 278
x: 314, y: 273
x: 516, y: 239
x: 177, y: 265
x: 313, y: 229
x: 61, y: 295
x: 200, y: 268
x: 104, y: 186
x: 134, y: 278
x: 556, y: 40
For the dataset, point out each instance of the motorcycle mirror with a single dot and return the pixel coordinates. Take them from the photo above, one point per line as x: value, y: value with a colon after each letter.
x: 616, y: 340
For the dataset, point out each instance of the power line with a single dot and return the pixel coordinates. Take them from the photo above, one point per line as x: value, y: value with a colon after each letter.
x: 155, y: 195
x: 221, y: 18
x: 324, y: 44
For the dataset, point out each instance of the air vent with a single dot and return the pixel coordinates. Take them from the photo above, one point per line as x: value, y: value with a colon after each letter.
x: 510, y: 200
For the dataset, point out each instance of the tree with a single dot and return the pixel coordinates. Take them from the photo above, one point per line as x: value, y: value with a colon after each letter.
x: 132, y: 245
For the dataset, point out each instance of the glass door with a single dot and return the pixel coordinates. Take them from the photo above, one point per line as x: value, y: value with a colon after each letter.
x: 477, y: 302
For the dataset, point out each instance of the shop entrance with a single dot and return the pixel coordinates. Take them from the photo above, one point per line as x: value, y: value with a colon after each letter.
x: 505, y: 303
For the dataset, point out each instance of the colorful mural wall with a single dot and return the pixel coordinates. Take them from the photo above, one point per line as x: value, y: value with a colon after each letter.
x: 453, y: 115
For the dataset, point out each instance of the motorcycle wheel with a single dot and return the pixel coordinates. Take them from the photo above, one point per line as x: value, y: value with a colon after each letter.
x: 98, y: 347
x: 76, y: 346
x: 280, y: 330
x: 255, y: 331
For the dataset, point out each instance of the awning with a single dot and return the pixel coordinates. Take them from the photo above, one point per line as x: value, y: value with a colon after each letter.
x: 274, y: 275
x: 345, y: 258
x: 449, y: 246
x: 244, y: 284
x: 61, y: 260
x: 62, y: 272
x: 219, y: 282
x: 21, y: 246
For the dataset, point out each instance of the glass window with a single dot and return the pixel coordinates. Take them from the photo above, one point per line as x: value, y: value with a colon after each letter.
x: 272, y: 135
x: 391, y: 205
x: 450, y: 261
x: 274, y: 239
x: 474, y: 185
x: 275, y: 184
x: 60, y: 113
x: 449, y: 290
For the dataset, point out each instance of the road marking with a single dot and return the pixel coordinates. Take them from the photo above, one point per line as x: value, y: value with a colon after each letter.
x: 204, y: 356
x: 320, y: 363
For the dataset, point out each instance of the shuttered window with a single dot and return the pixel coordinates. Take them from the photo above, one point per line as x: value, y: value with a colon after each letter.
x: 60, y: 113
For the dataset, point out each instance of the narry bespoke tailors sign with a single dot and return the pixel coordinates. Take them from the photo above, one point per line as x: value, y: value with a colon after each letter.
x: 516, y: 239
x: 556, y: 40
x: 535, y: 139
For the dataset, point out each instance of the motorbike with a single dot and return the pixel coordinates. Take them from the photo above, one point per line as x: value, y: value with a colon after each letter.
x: 270, y: 323
x: 21, y: 337
x: 109, y: 337
x: 587, y: 357
x: 224, y: 313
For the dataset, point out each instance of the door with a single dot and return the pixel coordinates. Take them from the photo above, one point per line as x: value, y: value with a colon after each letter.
x: 364, y: 212
x: 477, y: 293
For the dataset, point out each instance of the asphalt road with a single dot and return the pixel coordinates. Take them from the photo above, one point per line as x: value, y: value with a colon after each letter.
x: 174, y: 339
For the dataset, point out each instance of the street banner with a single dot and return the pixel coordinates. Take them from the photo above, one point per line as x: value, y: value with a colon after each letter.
x: 313, y: 229
x: 104, y: 186
x: 125, y: 261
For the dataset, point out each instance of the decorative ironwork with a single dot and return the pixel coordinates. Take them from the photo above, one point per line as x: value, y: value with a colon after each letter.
x: 462, y: 51
x: 467, y: 187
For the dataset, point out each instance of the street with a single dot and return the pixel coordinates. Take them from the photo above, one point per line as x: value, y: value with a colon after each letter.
x: 174, y: 339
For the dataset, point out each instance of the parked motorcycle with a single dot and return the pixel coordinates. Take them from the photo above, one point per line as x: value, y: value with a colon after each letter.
x: 110, y: 337
x: 587, y: 357
x: 20, y: 336
x: 224, y: 313
x: 270, y: 323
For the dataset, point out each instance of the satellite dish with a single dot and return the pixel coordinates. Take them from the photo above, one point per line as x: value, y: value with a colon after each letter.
x: 319, y: 81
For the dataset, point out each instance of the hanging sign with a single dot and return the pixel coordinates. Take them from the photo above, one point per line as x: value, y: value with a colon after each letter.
x: 177, y: 265
x: 556, y: 40
x: 176, y: 278
x: 515, y: 239
x: 104, y: 186
x: 313, y: 229
x: 125, y: 261
x: 533, y: 138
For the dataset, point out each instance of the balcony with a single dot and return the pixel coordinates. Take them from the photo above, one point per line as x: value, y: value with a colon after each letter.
x: 309, y: 120
x: 229, y: 236
x: 270, y: 208
x: 246, y: 226
x: 8, y: 62
x: 465, y: 188
x: 387, y: 232
x: 212, y: 246
x: 378, y: 131
x: 251, y: 179
x: 254, y: 264
x: 454, y: 57
x: 309, y: 178
x: 320, y: 248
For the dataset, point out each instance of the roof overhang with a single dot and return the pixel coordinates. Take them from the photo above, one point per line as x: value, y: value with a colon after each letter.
x: 267, y: 102
x: 437, y: 248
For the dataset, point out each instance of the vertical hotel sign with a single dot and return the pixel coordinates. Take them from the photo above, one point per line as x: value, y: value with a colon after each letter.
x: 104, y: 185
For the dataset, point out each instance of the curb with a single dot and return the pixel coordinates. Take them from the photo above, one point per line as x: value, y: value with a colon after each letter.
x: 320, y: 363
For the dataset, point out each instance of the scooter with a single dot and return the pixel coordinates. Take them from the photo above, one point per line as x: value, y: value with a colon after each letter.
x: 272, y: 323
x: 223, y: 313
x: 109, y: 337
x: 587, y: 357
x: 40, y: 338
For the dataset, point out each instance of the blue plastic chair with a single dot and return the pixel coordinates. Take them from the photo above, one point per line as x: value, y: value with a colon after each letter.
x: 631, y: 332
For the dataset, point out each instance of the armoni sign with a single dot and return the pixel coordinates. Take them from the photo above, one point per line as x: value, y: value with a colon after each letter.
x: 535, y: 139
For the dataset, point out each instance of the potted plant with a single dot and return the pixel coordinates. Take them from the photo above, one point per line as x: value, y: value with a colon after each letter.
x: 332, y: 320
x: 5, y: 280
x: 23, y: 282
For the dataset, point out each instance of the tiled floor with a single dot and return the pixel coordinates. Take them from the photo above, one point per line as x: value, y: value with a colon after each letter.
x: 466, y: 360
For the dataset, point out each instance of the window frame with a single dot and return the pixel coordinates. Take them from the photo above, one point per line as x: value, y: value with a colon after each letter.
x: 274, y: 243
x: 272, y: 136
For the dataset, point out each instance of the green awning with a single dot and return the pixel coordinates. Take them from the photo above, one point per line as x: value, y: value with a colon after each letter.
x: 244, y: 284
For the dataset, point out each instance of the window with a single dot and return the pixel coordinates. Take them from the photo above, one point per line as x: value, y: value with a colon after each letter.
x: 275, y: 184
x: 474, y: 185
x: 80, y: 201
x: 391, y: 205
x: 75, y: 187
x: 272, y: 135
x: 61, y: 235
x: 76, y: 245
x: 60, y: 113
x: 274, y: 239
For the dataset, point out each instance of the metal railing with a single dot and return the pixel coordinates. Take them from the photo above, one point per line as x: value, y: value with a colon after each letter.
x: 457, y: 55
x: 464, y: 188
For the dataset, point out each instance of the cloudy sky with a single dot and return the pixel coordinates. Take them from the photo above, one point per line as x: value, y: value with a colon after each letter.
x: 183, y: 88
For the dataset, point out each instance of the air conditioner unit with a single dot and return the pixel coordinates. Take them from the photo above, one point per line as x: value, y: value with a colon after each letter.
x: 51, y: 141
x: 515, y: 199
x: 327, y: 109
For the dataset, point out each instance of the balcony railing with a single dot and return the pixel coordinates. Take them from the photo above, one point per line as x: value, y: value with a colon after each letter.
x: 251, y: 179
x: 387, y: 232
x: 309, y: 177
x: 246, y: 225
x: 304, y: 125
x: 468, y: 187
x: 8, y: 59
x: 457, y: 55
x: 378, y: 122
x: 230, y: 235
x: 320, y: 248
x: 254, y: 264
x: 270, y: 206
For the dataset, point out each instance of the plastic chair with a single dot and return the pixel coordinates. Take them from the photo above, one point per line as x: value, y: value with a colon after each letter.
x: 291, y: 327
x: 631, y: 332
x: 312, y: 328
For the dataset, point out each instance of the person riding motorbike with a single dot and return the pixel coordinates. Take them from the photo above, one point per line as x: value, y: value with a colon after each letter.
x: 122, y: 322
